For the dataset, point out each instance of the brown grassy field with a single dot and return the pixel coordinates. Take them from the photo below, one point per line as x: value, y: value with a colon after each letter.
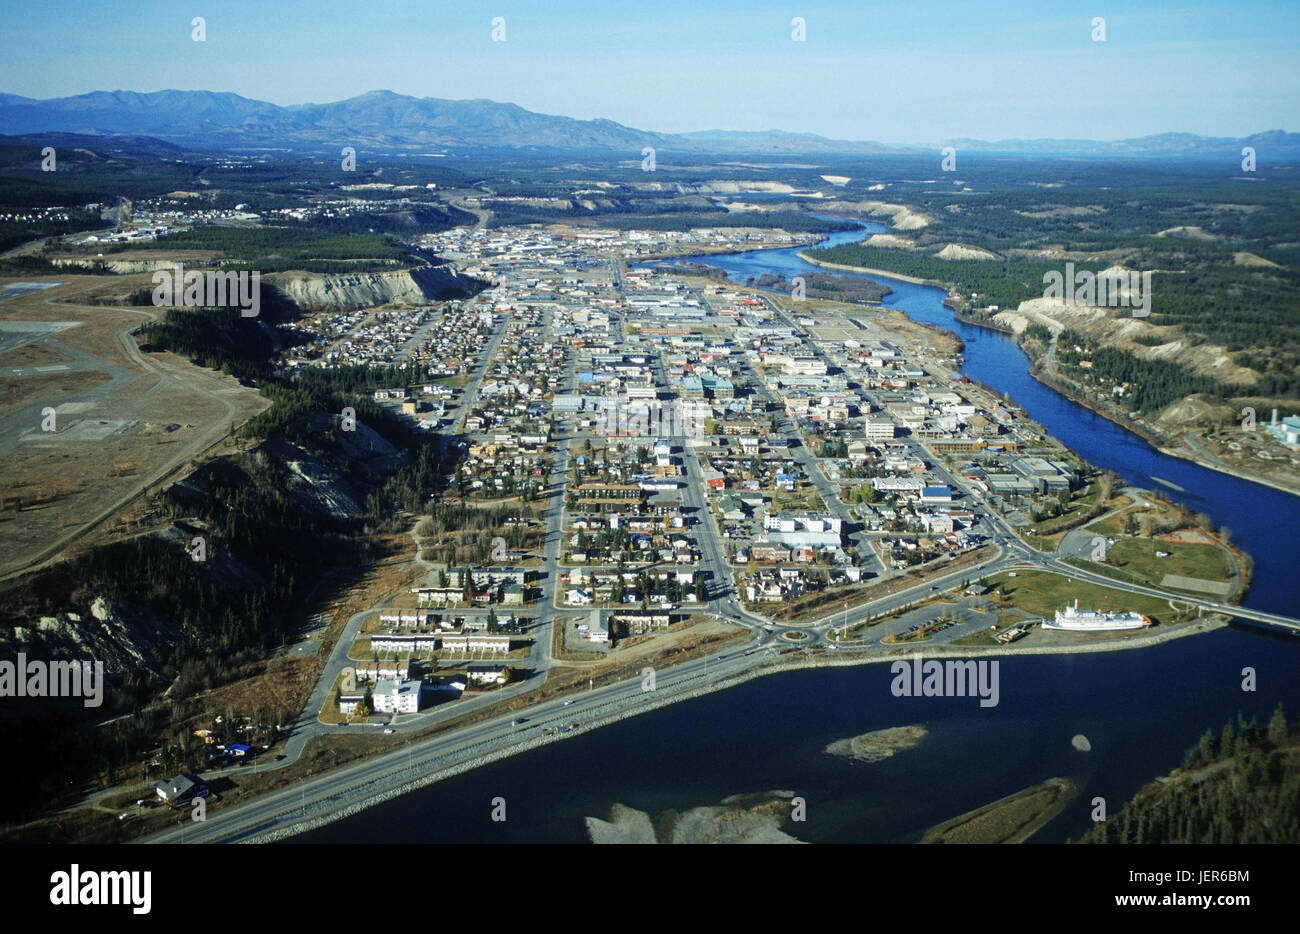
x: 124, y: 419
x: 1012, y: 819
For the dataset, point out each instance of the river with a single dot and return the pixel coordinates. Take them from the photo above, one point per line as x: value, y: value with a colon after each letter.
x: 1140, y: 709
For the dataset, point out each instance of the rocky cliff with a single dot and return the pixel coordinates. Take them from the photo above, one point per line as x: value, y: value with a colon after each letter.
x: 348, y: 292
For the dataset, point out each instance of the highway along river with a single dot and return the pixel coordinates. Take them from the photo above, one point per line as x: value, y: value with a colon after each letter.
x: 1139, y: 709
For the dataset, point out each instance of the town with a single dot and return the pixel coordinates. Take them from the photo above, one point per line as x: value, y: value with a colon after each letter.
x: 703, y: 438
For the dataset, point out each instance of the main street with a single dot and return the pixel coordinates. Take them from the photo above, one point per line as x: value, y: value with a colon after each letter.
x: 475, y: 381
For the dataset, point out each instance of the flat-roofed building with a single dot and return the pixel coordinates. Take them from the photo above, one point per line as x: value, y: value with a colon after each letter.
x: 877, y: 429
x: 802, y: 365
x: 466, y: 642
x: 389, y: 643
x: 393, y: 696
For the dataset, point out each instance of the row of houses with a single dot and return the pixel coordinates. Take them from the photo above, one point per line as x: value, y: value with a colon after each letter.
x: 460, y: 642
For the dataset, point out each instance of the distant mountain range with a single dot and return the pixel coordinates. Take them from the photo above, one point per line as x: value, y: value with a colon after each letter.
x: 384, y: 121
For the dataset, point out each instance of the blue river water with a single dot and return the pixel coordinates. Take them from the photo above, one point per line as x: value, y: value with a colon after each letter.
x: 1139, y: 709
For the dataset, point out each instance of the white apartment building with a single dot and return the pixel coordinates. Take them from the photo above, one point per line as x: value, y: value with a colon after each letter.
x: 806, y: 366
x: 393, y: 696
x: 476, y: 642
x: 878, y: 429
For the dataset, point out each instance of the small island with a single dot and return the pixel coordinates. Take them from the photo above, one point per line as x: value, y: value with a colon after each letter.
x: 879, y: 744
x: 1013, y: 819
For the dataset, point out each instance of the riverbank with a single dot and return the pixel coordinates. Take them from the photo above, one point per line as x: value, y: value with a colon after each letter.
x: 1060, y: 386
x: 698, y: 249
x: 1068, y: 390
x: 1182, y: 454
x: 617, y: 710
x: 865, y: 270
x: 973, y: 321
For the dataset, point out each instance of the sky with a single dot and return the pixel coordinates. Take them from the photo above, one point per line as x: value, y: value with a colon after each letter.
x: 897, y: 72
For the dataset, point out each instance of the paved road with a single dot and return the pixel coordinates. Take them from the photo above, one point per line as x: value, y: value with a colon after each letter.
x: 468, y: 745
x: 475, y: 381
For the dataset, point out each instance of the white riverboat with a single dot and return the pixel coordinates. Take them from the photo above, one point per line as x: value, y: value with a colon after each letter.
x: 1074, y: 619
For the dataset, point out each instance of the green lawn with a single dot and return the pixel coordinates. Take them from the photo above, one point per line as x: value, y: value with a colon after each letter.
x: 921, y: 635
x: 1135, y: 559
x: 1045, y: 543
x: 983, y: 637
x: 1205, y: 561
x: 1043, y: 594
x: 1105, y: 570
x: 1110, y: 527
x: 455, y: 382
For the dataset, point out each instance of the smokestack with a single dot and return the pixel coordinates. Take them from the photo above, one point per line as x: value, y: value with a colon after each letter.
x: 1274, y: 422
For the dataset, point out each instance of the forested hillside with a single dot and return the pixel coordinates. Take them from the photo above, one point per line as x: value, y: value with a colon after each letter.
x: 1224, y: 258
x: 1241, y: 785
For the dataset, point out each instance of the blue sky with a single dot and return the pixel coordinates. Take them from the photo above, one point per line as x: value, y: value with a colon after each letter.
x: 896, y: 72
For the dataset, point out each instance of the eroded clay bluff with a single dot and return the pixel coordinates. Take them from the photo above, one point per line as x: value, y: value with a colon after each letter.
x: 351, y: 291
